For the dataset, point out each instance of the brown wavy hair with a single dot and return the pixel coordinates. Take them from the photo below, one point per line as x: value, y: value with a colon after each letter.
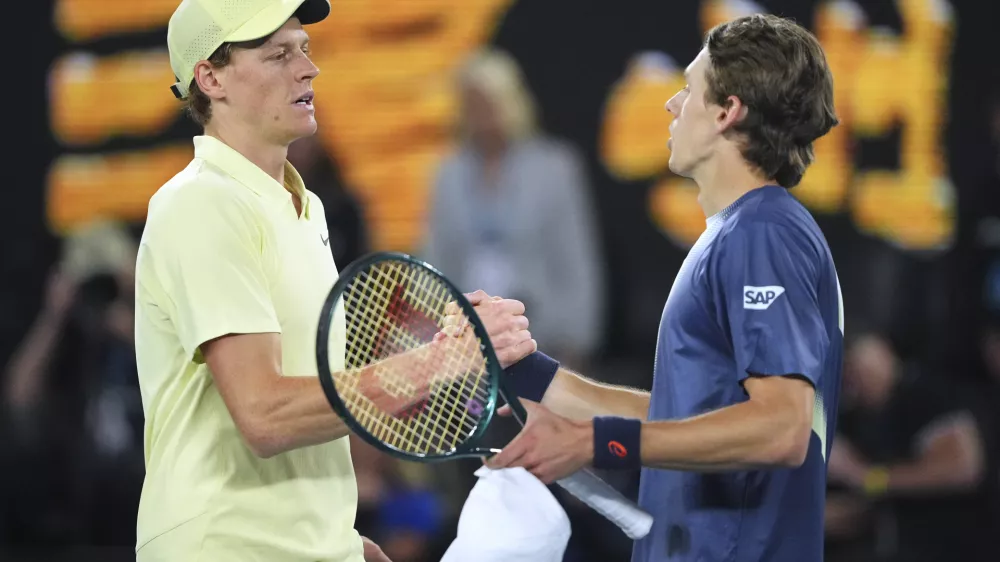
x: 779, y: 72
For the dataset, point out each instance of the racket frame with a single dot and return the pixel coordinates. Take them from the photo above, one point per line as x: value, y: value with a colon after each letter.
x: 467, y: 448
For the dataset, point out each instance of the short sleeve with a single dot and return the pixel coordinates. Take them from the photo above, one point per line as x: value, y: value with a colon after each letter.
x: 767, y: 280
x: 211, y: 267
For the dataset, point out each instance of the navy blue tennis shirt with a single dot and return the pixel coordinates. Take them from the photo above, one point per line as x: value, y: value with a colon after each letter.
x: 757, y: 295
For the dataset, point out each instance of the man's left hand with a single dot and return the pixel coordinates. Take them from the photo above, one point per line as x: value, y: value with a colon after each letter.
x: 505, y: 323
x: 549, y: 446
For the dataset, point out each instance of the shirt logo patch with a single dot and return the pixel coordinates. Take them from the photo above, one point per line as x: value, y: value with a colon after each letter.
x: 759, y: 298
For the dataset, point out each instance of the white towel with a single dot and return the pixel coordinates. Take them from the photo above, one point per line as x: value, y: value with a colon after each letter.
x: 510, y: 515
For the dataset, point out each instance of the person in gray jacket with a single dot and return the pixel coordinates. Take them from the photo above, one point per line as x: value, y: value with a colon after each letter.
x: 511, y: 214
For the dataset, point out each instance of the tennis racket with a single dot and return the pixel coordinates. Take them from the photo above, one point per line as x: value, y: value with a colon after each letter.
x: 414, y: 394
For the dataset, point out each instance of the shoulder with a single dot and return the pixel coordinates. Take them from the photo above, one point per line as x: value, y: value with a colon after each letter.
x: 775, y: 220
x: 199, y: 184
x: 551, y: 152
x: 198, y: 200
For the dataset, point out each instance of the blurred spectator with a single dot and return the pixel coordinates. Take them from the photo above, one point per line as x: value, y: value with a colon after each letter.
x: 990, y: 349
x: 511, y: 212
x: 991, y: 357
x: 907, y: 471
x: 74, y: 440
x: 345, y: 218
x: 398, y: 506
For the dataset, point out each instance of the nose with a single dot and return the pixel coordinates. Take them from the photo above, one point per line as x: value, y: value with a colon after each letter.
x: 309, y: 70
x: 671, y: 104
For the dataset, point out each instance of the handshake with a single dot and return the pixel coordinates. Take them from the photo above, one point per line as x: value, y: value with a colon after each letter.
x: 505, y: 323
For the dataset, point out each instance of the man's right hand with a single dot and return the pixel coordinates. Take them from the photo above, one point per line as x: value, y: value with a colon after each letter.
x: 372, y: 551
x: 505, y: 323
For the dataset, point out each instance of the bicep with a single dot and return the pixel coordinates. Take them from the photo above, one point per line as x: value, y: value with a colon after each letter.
x: 213, y: 270
x: 787, y: 404
x: 791, y: 397
x: 243, y: 367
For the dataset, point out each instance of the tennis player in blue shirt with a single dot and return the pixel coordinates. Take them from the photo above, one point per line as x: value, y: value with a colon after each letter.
x: 733, y: 439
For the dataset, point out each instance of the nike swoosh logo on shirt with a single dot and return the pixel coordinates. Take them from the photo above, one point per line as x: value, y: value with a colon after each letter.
x: 326, y: 241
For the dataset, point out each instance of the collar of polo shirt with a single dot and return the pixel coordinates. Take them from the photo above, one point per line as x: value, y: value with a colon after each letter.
x: 249, y: 174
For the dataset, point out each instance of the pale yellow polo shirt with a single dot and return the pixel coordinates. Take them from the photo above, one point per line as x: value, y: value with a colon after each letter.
x: 224, y: 252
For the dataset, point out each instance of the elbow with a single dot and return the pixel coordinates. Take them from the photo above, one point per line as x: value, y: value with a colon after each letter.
x: 262, y: 449
x: 790, y: 448
x: 258, y: 437
x: 795, y: 455
x: 262, y: 446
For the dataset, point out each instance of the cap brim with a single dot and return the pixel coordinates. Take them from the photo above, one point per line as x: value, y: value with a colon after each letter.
x: 313, y: 11
x: 270, y: 19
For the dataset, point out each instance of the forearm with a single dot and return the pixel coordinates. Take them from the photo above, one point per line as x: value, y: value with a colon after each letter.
x: 294, y: 414
x: 739, y: 437
x: 575, y: 397
x: 27, y: 371
x: 926, y: 476
x: 951, y: 459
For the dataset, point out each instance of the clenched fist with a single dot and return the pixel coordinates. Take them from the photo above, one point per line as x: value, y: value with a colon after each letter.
x: 505, y: 323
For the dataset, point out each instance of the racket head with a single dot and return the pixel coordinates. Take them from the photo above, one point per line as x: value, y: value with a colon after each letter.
x: 363, y: 288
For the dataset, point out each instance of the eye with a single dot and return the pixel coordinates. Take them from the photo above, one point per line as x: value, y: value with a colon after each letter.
x: 281, y: 55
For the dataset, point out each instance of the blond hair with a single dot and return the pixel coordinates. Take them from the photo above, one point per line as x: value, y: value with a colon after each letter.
x: 498, y: 76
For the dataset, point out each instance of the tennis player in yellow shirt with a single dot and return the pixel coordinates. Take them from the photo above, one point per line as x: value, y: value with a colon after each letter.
x: 245, y: 459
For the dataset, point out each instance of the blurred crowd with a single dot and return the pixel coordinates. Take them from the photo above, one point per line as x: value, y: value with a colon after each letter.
x: 510, y: 212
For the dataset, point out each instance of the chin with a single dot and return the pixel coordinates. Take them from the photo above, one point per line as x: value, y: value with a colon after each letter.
x: 308, y: 129
x: 677, y: 167
x: 302, y: 131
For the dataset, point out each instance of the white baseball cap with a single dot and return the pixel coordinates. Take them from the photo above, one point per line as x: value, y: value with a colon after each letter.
x: 199, y: 27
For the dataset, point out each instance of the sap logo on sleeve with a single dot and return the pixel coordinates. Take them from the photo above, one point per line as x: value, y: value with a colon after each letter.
x: 759, y: 298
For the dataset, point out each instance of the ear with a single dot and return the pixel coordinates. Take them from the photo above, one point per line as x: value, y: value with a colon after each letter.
x: 731, y: 113
x: 208, y: 78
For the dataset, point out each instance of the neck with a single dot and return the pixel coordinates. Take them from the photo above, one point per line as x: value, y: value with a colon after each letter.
x: 724, y: 179
x: 267, y: 156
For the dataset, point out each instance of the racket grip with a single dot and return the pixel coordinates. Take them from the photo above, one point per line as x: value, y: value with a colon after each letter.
x: 609, y: 502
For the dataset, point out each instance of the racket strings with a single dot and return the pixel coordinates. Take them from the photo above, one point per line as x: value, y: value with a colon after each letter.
x: 394, y: 308
x: 376, y: 336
